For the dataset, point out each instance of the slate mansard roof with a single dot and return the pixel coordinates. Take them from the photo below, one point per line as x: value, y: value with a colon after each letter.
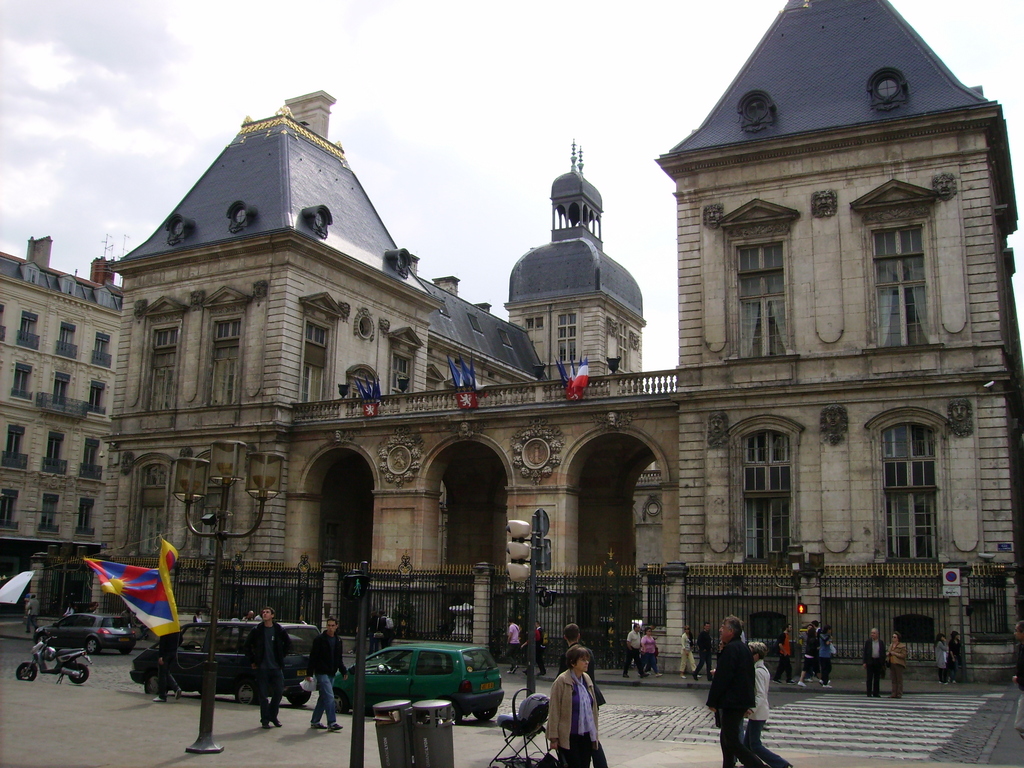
x: 108, y: 296
x: 815, y: 63
x: 279, y: 169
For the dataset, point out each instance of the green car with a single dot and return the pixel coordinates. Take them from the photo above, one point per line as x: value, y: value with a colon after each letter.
x: 467, y: 676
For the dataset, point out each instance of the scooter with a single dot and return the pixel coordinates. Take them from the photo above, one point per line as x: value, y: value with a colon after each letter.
x: 68, y: 663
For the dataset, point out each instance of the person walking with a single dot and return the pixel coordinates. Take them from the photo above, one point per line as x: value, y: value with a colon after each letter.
x: 633, y: 651
x: 941, y: 657
x: 265, y: 648
x: 704, y: 651
x: 1018, y: 634
x: 513, y: 645
x: 785, y: 652
x: 954, y: 656
x: 539, y: 647
x: 571, y: 635
x: 897, y: 660
x: 733, y: 693
x: 810, y: 668
x: 686, y: 662
x: 572, y: 711
x: 167, y: 654
x: 874, y: 662
x: 825, y: 652
x: 758, y: 717
x: 649, y: 652
x: 31, y: 613
x: 326, y: 657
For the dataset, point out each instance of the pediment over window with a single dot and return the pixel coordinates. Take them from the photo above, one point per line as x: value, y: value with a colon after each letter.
x: 225, y: 298
x: 322, y: 303
x: 894, y: 200
x: 405, y: 335
x: 759, y: 217
x: 165, y: 306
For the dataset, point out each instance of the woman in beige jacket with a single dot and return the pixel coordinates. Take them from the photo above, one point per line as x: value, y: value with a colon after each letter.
x: 897, y: 658
x: 572, y: 711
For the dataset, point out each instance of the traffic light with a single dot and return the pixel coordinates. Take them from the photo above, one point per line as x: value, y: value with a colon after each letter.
x: 801, y: 608
x: 518, y: 548
x: 354, y: 585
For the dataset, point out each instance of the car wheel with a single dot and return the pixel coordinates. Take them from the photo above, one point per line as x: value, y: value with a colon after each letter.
x: 298, y: 699
x: 152, y: 684
x: 245, y: 691
x: 341, y: 702
x: 126, y: 651
x: 458, y: 715
x: 92, y: 646
x: 26, y: 672
x: 486, y: 714
x: 76, y: 673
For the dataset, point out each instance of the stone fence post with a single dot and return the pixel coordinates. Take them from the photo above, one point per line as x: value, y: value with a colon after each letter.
x: 332, y: 571
x: 675, y: 616
x: 483, y: 574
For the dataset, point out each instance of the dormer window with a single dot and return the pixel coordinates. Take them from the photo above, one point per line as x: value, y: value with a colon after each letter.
x: 757, y: 111
x: 888, y: 89
x: 178, y: 228
x: 318, y: 218
x: 240, y: 216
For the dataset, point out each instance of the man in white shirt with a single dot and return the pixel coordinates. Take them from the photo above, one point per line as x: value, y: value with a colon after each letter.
x: 513, y: 646
x: 633, y: 651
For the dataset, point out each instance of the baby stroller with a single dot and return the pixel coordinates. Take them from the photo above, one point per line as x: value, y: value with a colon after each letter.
x: 520, y: 729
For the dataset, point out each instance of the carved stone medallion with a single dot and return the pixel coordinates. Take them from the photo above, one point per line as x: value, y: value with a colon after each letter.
x: 713, y: 214
x: 961, y: 421
x: 718, y: 429
x: 614, y: 419
x: 536, y: 449
x: 834, y: 423
x: 944, y: 185
x: 824, y: 204
x: 399, y: 457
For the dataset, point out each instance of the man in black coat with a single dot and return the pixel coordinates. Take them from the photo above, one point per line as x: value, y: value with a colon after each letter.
x: 168, y: 653
x: 265, y: 648
x: 732, y: 694
x: 704, y: 651
x: 1018, y: 634
x: 325, y: 659
x: 874, y: 662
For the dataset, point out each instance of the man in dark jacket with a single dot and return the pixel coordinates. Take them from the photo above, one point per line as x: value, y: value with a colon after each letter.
x: 265, y: 648
x: 874, y: 662
x: 704, y: 651
x: 168, y: 652
x: 325, y: 659
x: 732, y: 693
x: 1018, y: 633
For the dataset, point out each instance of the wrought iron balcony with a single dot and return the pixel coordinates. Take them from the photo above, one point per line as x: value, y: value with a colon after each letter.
x: 82, y: 530
x: 66, y: 349
x: 3, y: 333
x: 8, y: 525
x: 48, y: 526
x: 100, y: 358
x: 59, y: 404
x: 55, y: 466
x: 26, y: 339
x: 90, y: 471
x: 13, y: 460
x: 100, y: 409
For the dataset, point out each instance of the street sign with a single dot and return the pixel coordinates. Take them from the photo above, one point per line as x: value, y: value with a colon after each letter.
x: 541, y: 521
x: 951, y: 590
x: 951, y: 577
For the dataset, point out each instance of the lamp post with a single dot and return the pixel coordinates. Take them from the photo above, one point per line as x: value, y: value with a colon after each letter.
x: 191, y: 478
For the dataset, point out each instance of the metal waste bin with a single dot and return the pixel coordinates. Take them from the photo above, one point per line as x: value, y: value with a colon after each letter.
x: 393, y: 720
x: 432, y: 744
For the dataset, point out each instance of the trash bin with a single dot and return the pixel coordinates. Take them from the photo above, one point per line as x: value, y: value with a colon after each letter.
x: 432, y: 744
x: 393, y: 720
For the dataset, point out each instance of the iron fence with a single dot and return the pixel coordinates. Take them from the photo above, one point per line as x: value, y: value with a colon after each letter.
x: 761, y: 596
x: 987, y: 589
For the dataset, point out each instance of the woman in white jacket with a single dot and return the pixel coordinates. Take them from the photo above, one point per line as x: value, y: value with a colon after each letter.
x: 686, y: 662
x: 758, y: 716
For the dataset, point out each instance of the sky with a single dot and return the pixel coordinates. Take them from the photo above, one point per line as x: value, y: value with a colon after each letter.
x: 456, y: 116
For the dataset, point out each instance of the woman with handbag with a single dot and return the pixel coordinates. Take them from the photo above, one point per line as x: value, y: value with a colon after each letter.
x: 649, y: 652
x: 686, y: 662
x: 941, y: 656
x: 896, y: 661
x: 572, y: 711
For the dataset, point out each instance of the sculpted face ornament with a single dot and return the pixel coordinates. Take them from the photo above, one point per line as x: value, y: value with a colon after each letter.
x: 718, y: 429
x: 944, y: 185
x: 834, y: 423
x: 959, y: 413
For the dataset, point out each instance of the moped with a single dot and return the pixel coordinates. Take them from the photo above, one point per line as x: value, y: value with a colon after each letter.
x: 68, y: 663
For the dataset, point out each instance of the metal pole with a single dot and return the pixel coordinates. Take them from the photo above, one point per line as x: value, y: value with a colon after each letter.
x: 359, y: 688
x: 531, y: 604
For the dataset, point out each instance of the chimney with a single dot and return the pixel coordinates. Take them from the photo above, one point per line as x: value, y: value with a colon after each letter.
x: 484, y: 306
x: 313, y: 111
x: 39, y: 251
x: 450, y: 284
x: 102, y: 272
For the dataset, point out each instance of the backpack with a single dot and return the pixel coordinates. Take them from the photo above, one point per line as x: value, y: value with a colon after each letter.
x: 388, y: 623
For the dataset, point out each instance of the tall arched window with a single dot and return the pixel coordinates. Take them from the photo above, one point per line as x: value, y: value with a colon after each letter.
x: 908, y: 463
x: 767, y: 487
x: 154, y: 507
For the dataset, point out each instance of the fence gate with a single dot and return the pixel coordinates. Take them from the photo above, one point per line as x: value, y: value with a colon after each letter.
x: 762, y: 597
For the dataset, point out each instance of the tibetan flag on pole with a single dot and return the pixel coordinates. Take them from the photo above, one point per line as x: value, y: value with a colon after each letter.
x: 146, y: 591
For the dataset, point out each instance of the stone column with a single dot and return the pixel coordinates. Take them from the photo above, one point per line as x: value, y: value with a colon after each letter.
x: 332, y: 590
x: 482, y: 577
x: 38, y: 561
x: 669, y: 658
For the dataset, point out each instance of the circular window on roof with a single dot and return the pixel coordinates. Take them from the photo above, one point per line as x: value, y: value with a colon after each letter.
x: 888, y: 89
x: 757, y: 111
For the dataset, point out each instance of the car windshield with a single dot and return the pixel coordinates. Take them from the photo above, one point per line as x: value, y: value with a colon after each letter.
x: 117, y: 622
x: 390, y: 662
x: 302, y: 639
x: 477, y: 659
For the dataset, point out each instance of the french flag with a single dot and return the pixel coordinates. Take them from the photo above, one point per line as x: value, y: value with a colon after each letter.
x: 578, y: 382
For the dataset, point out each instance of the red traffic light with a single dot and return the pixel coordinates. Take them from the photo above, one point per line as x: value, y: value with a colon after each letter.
x: 801, y: 608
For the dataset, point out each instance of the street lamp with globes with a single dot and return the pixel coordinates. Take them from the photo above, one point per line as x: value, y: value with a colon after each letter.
x: 191, y: 480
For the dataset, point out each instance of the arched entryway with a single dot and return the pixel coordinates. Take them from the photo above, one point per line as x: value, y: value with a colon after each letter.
x: 346, y: 510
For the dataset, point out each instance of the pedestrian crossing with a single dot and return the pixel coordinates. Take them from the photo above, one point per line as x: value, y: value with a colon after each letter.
x: 912, y: 728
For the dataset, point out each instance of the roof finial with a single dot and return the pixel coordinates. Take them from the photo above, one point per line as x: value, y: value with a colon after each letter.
x: 580, y: 163
x: 572, y: 165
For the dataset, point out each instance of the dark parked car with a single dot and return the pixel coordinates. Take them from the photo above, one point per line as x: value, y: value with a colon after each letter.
x: 465, y: 675
x: 235, y: 676
x: 92, y: 631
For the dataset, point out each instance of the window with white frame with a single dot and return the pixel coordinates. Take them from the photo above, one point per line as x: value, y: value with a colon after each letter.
x: 83, y: 524
x: 762, y: 301
x: 567, y: 336
x: 48, y: 515
x: 400, y: 367
x: 8, y: 503
x: 314, y: 362
x: 767, y: 486
x: 908, y: 466
x: 226, y: 335
x: 900, y: 283
x: 165, y: 358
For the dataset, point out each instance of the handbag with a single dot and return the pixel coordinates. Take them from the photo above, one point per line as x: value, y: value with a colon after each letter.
x: 378, y: 635
x: 551, y: 760
x: 598, y: 696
